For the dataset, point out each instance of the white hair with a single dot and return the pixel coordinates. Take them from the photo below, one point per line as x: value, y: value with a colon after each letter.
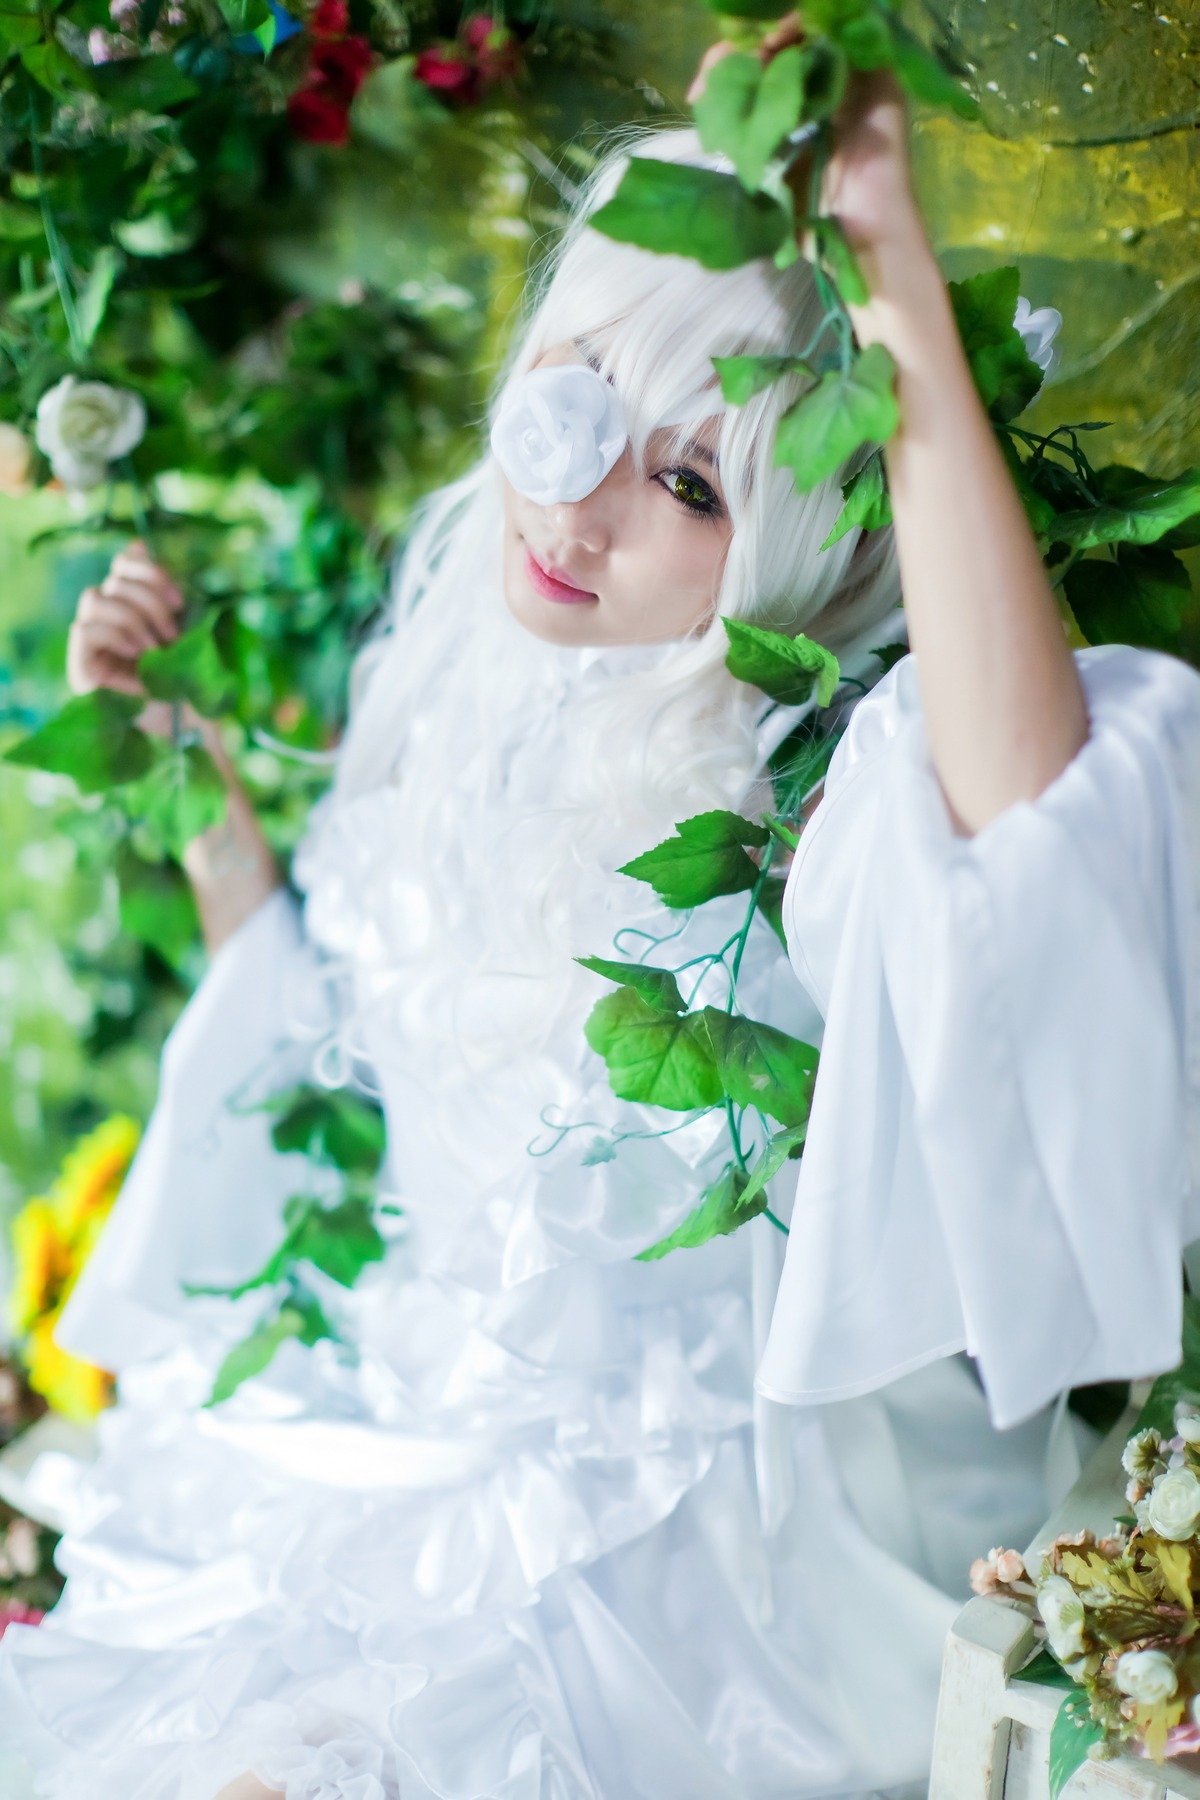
x: 445, y: 696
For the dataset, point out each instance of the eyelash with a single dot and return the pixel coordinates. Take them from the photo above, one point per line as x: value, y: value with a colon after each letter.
x: 707, y: 508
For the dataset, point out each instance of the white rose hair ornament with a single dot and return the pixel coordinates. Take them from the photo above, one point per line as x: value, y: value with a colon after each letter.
x: 558, y: 432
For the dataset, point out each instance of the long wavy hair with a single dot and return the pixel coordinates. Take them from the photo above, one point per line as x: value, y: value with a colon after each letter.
x: 452, y: 689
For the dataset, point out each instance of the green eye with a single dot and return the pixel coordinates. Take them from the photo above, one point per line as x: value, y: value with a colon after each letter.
x: 690, y: 491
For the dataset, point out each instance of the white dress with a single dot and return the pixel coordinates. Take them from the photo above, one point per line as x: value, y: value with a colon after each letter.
x: 534, y: 1535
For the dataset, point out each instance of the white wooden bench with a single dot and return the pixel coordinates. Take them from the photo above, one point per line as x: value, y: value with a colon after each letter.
x: 993, y: 1733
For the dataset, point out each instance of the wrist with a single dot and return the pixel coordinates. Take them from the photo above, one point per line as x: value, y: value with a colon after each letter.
x: 909, y: 305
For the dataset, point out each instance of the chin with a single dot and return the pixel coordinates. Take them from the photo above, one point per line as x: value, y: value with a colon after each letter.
x: 554, y: 624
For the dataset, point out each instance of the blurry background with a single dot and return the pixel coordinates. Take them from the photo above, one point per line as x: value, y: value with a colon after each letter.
x: 314, y: 323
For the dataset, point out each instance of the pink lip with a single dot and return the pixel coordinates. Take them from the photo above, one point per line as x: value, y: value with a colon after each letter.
x: 551, y: 586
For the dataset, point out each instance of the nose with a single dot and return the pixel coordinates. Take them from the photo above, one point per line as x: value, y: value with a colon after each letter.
x: 583, y: 522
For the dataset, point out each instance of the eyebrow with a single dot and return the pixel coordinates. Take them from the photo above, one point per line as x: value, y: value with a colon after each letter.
x: 697, y: 451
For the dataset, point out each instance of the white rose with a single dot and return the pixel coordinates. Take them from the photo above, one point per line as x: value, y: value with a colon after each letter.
x: 83, y: 426
x: 558, y: 432
x: 14, y: 460
x: 1039, y: 330
x: 1147, y: 1676
x: 1173, y: 1509
x: 1063, y: 1616
x: 1187, y: 1422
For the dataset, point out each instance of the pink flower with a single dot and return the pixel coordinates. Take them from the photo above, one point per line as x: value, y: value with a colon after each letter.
x: 999, y: 1568
x: 15, y: 1612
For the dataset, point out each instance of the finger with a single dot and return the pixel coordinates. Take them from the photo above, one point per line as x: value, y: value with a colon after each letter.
x: 141, y: 568
x: 146, y: 600
x: 93, y: 658
x: 97, y: 614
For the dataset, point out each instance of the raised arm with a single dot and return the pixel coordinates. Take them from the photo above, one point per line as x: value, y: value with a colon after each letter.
x: 1004, y: 708
x: 136, y: 607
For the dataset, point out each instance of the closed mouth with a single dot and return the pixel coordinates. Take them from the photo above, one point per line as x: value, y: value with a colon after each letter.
x: 552, y: 584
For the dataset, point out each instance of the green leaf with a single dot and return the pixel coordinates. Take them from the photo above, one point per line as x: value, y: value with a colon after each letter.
x: 984, y: 308
x: 339, y: 1240
x: 333, y: 1125
x: 749, y: 9
x: 652, y: 1056
x: 742, y: 377
x: 770, y: 906
x: 779, y: 1147
x: 189, y: 669
x: 1135, y: 509
x: 925, y: 78
x: 703, y: 860
x: 845, y: 410
x: 867, y: 507
x: 244, y: 16
x: 299, y: 1317
x: 826, y: 72
x: 155, y: 234
x: 1047, y: 1671
x: 1180, y: 1383
x: 93, y: 740
x: 799, y: 765
x: 745, y: 111
x: 1138, y: 599
x: 681, y: 210
x: 760, y: 1066
x: 55, y: 70
x: 889, y: 655
x: 18, y: 224
x: 1039, y: 509
x: 156, y: 906
x: 20, y: 24
x: 144, y: 84
x: 721, y: 1210
x: 181, y: 796
x: 840, y: 260
x: 657, y: 987
x: 1072, y: 1735
x: 785, y: 668
x: 93, y: 302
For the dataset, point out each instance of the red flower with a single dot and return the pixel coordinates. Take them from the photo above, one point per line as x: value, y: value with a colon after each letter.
x: 446, y: 71
x: 463, y: 71
x: 316, y: 114
x: 496, y: 50
x: 339, y: 68
x: 15, y: 1612
x: 331, y: 19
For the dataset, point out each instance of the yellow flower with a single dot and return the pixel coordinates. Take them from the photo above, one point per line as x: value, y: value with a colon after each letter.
x: 92, y: 1174
x: 43, y: 1264
x: 73, y: 1388
x: 52, y: 1240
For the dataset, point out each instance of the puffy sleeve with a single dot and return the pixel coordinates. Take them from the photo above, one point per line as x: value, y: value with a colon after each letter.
x: 1003, y: 1151
x: 201, y: 1202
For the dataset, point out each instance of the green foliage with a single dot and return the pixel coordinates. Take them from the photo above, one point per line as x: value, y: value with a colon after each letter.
x: 1179, y: 1383
x: 788, y: 669
x: 340, y: 1240
x: 657, y: 987
x: 1133, y: 509
x: 761, y: 1067
x: 742, y: 377
x: 835, y: 252
x: 704, y: 859
x: 770, y: 906
x: 779, y: 1148
x: 867, y: 504
x: 93, y: 740
x: 335, y: 1126
x: 156, y: 905
x: 746, y: 110
x: 723, y: 1209
x: 181, y: 795
x: 684, y: 211
x: 799, y: 765
x: 873, y: 36
x: 1072, y: 1735
x: 1004, y: 374
x: 1138, y: 597
x: 1045, y: 1670
x: 190, y: 669
x: 846, y: 409
x: 654, y: 1057
x: 299, y: 1316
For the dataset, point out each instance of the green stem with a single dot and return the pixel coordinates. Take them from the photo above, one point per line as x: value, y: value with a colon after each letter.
x: 777, y: 1223
x: 755, y: 892
x: 735, y: 1135
x: 58, y: 261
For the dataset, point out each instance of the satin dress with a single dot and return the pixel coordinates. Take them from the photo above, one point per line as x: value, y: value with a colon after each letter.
x: 530, y: 1530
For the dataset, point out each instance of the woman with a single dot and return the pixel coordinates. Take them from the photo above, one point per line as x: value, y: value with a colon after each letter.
x: 537, y: 1536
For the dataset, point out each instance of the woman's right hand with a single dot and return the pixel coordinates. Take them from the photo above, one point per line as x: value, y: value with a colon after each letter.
x: 136, y: 608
